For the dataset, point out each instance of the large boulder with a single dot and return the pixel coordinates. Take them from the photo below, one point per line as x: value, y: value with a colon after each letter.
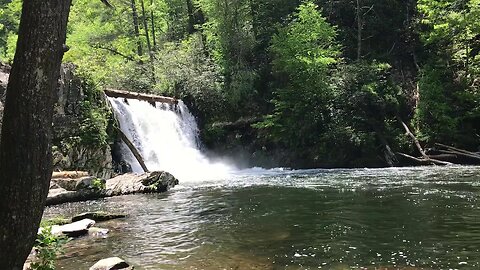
x: 77, y: 184
x: 111, y: 264
x: 152, y: 182
x: 74, y: 229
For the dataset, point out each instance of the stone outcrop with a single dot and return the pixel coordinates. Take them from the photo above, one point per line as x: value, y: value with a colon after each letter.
x: 74, y: 229
x: 111, y: 264
x: 70, y: 152
x: 152, y: 182
x: 70, y: 149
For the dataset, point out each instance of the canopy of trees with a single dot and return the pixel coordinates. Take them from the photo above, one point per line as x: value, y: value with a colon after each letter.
x: 330, y: 80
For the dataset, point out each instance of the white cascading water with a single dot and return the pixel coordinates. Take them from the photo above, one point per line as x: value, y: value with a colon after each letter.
x: 167, y: 138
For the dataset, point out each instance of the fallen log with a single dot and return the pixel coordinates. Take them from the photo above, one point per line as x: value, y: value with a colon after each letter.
x: 453, y: 152
x: 152, y: 182
x: 458, y: 151
x: 425, y: 158
x: 140, y: 96
x: 69, y: 174
x: 133, y: 149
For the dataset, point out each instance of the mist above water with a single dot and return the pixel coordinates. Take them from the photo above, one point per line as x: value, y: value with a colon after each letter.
x: 167, y: 138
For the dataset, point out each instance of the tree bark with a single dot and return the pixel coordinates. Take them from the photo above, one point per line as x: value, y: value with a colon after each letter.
x: 149, y: 44
x: 25, y: 148
x: 133, y: 149
x: 152, y: 20
x: 136, y: 28
x: 359, y: 30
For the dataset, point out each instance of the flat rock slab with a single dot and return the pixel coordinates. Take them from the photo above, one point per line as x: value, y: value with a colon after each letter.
x: 74, y: 229
x: 111, y: 264
x: 97, y: 216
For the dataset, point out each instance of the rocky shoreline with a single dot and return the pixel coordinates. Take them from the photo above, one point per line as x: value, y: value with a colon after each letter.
x: 68, y: 189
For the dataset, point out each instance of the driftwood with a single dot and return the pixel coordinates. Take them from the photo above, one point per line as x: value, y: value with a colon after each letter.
x: 69, y: 174
x: 425, y: 158
x: 133, y: 149
x: 140, y: 96
x: 459, y: 152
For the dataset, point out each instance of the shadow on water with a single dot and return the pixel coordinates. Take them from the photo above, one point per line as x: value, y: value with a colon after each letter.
x: 409, y: 218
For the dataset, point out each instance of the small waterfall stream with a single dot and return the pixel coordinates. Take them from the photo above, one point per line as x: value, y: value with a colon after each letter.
x: 167, y: 138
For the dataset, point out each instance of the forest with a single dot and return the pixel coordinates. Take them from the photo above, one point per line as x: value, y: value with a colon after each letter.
x: 329, y: 83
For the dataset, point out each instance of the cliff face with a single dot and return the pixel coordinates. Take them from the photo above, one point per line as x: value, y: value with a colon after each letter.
x: 70, y: 150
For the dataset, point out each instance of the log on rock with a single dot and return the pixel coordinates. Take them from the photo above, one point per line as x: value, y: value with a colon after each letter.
x: 152, y: 182
x: 69, y: 174
x: 140, y: 96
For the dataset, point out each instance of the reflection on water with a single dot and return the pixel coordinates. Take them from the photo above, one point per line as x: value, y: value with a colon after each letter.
x: 408, y: 218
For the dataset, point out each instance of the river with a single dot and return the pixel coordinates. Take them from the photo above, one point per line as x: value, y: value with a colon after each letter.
x: 395, y: 218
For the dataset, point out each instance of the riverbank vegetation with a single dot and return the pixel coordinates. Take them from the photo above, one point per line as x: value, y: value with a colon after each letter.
x: 318, y: 83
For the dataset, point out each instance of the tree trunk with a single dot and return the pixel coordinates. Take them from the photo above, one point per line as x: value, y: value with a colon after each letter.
x: 152, y: 18
x: 359, y: 30
x: 136, y: 28
x: 25, y: 148
x: 149, y: 44
x: 191, y: 18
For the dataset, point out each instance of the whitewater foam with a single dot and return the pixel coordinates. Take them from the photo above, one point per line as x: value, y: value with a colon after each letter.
x: 167, y: 138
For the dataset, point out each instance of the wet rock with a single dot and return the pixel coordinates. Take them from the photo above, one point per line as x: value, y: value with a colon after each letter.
x: 60, y: 195
x: 98, y: 232
x: 97, y: 216
x: 74, y: 229
x: 152, y: 182
x: 75, y: 184
x: 111, y: 264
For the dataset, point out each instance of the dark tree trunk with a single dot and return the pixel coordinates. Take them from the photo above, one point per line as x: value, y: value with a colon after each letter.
x: 152, y: 19
x: 136, y: 28
x: 25, y: 148
x: 149, y: 44
x: 359, y: 30
x: 191, y: 17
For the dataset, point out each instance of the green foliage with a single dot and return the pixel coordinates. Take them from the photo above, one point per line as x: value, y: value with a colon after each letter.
x: 98, y: 184
x: 185, y: 71
x: 9, y: 20
x: 95, y: 115
x: 303, y: 52
x: 47, y: 246
x: 58, y: 220
x: 452, y: 29
x: 434, y: 114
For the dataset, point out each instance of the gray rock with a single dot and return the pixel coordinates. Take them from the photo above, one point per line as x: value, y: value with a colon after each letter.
x: 60, y: 195
x: 98, y: 232
x: 74, y: 229
x: 153, y: 182
x: 76, y: 184
x: 111, y: 264
x: 97, y: 216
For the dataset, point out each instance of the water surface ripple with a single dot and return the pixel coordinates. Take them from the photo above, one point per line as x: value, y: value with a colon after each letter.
x: 394, y: 218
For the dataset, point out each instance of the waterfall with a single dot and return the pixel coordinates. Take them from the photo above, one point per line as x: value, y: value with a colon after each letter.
x: 167, y: 138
